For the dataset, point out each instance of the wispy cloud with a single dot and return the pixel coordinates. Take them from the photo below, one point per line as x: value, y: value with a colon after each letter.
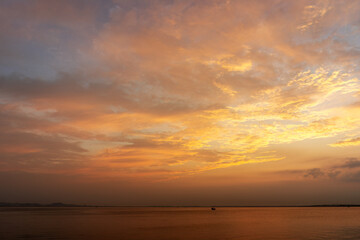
x: 347, y: 142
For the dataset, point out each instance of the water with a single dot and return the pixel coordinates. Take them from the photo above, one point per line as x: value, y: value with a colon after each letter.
x: 180, y: 223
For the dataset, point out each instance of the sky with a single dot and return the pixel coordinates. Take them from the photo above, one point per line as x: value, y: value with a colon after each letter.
x: 180, y: 102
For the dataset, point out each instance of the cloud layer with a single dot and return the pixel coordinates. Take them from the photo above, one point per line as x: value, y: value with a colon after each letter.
x: 159, y: 90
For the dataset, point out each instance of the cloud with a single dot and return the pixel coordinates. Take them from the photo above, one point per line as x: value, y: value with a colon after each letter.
x: 351, y: 163
x: 24, y: 146
x: 314, y: 172
x: 313, y: 14
x: 345, y: 171
x: 352, y: 177
x: 46, y: 37
x: 175, y: 88
x: 347, y: 142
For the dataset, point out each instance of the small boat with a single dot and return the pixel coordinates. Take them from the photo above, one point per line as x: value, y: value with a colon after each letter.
x: 213, y: 208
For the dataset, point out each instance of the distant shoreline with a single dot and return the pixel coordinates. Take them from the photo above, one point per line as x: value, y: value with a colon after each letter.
x: 5, y: 204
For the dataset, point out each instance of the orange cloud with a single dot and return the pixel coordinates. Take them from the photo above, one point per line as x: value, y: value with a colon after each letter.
x: 347, y: 142
x: 196, y: 88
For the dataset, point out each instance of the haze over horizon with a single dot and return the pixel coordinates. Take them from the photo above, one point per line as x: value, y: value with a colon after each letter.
x: 180, y: 102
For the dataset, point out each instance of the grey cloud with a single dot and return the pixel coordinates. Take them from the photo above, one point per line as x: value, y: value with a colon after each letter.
x: 352, y: 177
x: 314, y: 173
x: 290, y: 172
x: 333, y: 174
x: 100, y: 95
x: 343, y: 172
x: 351, y: 163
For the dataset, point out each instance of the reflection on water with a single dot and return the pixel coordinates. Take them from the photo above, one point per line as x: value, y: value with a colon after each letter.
x: 180, y: 223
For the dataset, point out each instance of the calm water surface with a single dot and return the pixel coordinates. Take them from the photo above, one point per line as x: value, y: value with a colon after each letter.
x: 180, y: 223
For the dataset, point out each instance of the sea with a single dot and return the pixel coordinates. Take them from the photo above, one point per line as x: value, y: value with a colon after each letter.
x: 157, y: 223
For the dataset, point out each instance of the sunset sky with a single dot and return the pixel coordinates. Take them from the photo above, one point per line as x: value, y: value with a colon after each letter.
x: 216, y: 102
